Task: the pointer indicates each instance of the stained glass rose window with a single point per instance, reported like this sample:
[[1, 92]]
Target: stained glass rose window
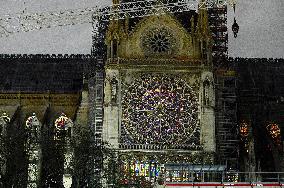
[[158, 41], [159, 109]]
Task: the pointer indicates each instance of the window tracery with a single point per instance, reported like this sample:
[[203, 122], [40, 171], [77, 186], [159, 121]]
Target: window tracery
[[160, 109], [158, 41], [206, 88], [63, 125], [32, 122], [244, 133], [274, 131], [63, 122], [4, 119], [32, 126], [114, 88]]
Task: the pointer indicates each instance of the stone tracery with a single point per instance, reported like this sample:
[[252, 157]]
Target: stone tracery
[[63, 122], [158, 40], [160, 109], [274, 131], [63, 125]]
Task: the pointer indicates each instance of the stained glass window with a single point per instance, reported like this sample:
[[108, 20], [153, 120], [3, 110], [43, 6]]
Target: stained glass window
[[244, 129], [63, 122], [158, 40], [142, 168], [32, 125], [244, 132], [160, 109], [274, 132], [32, 122], [4, 119], [63, 126]]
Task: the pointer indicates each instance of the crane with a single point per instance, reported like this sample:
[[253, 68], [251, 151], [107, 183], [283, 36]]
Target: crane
[[25, 22]]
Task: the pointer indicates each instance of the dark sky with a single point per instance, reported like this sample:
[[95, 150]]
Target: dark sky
[[261, 29]]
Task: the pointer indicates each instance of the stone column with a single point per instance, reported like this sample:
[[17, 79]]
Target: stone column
[[63, 134], [33, 149], [4, 121], [207, 115], [68, 167], [111, 108], [68, 154]]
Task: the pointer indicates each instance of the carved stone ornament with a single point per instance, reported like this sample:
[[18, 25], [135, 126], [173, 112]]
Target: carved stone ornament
[[158, 41]]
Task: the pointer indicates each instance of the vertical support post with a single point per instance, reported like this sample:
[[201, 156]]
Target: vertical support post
[[68, 168], [4, 121], [33, 149]]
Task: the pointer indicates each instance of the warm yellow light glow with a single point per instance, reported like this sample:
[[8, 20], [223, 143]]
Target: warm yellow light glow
[[274, 131], [244, 129]]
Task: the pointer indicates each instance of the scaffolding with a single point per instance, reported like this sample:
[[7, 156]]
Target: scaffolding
[[226, 127], [225, 90], [95, 75], [218, 26]]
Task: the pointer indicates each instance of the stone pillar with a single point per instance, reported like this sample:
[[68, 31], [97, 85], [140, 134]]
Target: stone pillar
[[63, 134], [68, 154], [33, 149], [111, 108], [251, 158], [4, 121], [207, 115], [68, 167]]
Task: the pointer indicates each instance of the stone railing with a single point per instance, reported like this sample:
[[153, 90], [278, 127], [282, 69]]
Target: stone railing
[[46, 56], [158, 61], [159, 147]]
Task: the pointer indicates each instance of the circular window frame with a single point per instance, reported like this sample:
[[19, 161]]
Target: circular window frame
[[159, 41], [189, 130]]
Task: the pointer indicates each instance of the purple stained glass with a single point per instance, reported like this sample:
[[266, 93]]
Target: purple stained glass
[[159, 109]]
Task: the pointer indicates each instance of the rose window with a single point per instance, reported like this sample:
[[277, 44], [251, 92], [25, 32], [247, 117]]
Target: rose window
[[159, 43], [160, 110], [158, 40]]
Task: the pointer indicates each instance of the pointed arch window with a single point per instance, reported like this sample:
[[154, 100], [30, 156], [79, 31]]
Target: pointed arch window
[[114, 88], [244, 129], [114, 48], [4, 119], [33, 125], [274, 131], [63, 122], [244, 133], [32, 122], [63, 126], [206, 90]]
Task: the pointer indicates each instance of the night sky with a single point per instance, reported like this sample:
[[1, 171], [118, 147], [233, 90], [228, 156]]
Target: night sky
[[261, 29]]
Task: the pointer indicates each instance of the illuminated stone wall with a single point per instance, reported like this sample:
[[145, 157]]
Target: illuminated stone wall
[[124, 87], [160, 49], [140, 42]]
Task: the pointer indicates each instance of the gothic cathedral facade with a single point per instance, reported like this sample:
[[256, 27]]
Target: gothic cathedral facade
[[159, 93]]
